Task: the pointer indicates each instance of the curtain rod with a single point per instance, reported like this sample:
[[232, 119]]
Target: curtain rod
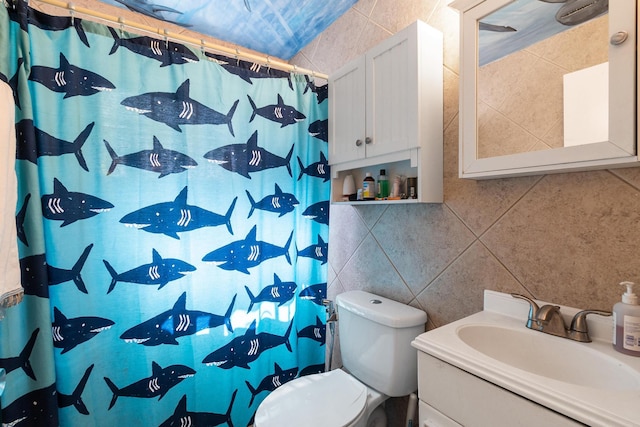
[[235, 53]]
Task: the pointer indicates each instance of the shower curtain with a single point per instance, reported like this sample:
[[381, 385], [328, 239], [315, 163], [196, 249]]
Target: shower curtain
[[172, 221]]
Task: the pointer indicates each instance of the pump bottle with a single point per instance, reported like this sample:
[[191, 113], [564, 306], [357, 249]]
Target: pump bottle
[[626, 319]]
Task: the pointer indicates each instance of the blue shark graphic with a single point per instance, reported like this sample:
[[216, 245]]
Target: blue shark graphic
[[159, 160], [176, 109], [319, 169], [247, 71], [37, 275], [318, 251], [150, 9], [68, 333], [57, 23], [182, 417], [322, 92], [272, 381], [20, 218], [315, 332], [75, 399], [171, 218], [320, 129], [158, 384], [280, 292], [37, 408], [170, 325], [279, 202], [244, 254], [61, 275], [248, 158], [245, 349], [312, 369], [69, 79], [69, 206], [21, 361], [314, 293], [279, 113], [319, 212], [165, 52], [33, 143], [160, 272]]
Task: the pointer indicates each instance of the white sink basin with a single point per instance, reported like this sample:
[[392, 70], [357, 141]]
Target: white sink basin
[[552, 357]]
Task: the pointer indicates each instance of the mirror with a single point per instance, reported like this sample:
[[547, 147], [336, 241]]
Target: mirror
[[546, 86]]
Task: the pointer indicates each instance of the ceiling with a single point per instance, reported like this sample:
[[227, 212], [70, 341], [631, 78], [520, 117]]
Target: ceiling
[[279, 28]]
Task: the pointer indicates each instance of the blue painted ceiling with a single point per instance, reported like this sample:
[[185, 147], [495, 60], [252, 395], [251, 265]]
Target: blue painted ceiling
[[279, 28]]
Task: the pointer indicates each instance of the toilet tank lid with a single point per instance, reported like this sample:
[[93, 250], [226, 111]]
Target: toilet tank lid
[[381, 310]]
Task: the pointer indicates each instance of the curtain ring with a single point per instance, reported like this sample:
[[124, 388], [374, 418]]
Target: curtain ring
[[72, 11], [121, 21]]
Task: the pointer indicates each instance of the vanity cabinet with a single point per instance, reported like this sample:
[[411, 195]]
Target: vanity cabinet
[[451, 397], [385, 112]]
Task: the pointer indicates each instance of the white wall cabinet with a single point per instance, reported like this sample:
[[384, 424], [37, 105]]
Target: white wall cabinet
[[385, 112]]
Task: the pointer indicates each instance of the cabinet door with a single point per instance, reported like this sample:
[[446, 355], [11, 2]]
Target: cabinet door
[[347, 113], [392, 94]]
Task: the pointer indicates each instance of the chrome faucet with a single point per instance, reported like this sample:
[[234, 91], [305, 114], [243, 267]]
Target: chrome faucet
[[548, 319]]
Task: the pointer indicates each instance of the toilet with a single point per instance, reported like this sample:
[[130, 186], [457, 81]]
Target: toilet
[[378, 363]]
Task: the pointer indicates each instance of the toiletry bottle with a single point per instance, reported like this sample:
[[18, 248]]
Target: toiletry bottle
[[626, 319], [369, 187], [383, 184]]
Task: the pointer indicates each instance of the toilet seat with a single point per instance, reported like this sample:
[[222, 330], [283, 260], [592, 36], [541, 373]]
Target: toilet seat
[[332, 398]]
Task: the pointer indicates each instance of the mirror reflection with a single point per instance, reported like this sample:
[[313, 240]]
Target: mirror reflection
[[542, 79]]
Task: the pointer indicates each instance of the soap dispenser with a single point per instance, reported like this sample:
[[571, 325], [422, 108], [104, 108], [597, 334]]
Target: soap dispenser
[[626, 319]]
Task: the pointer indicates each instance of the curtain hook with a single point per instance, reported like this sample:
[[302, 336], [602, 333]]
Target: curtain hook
[[72, 11], [166, 38], [237, 57], [202, 45], [121, 21], [268, 64]]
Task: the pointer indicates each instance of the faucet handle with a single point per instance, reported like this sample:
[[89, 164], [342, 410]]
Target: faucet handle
[[579, 328], [533, 309]]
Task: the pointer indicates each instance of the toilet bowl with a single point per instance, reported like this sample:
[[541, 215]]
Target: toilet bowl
[[332, 398], [378, 361]]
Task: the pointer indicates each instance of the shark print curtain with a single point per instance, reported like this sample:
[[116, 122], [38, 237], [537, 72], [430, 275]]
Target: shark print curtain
[[172, 222]]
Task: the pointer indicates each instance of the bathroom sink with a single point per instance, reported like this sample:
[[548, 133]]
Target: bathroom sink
[[548, 356], [587, 383]]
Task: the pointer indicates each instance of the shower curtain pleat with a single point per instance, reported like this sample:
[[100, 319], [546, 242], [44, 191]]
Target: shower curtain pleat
[[172, 224]]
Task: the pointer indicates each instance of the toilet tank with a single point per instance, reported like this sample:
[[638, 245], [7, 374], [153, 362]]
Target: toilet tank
[[375, 336]]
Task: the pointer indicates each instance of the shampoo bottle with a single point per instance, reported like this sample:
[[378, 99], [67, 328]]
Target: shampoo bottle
[[626, 319]]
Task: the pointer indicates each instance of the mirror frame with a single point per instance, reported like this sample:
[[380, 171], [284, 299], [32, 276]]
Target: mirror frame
[[620, 151]]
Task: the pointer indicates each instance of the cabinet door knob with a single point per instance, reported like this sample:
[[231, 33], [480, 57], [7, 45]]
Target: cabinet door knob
[[619, 38], [358, 142], [368, 140]]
